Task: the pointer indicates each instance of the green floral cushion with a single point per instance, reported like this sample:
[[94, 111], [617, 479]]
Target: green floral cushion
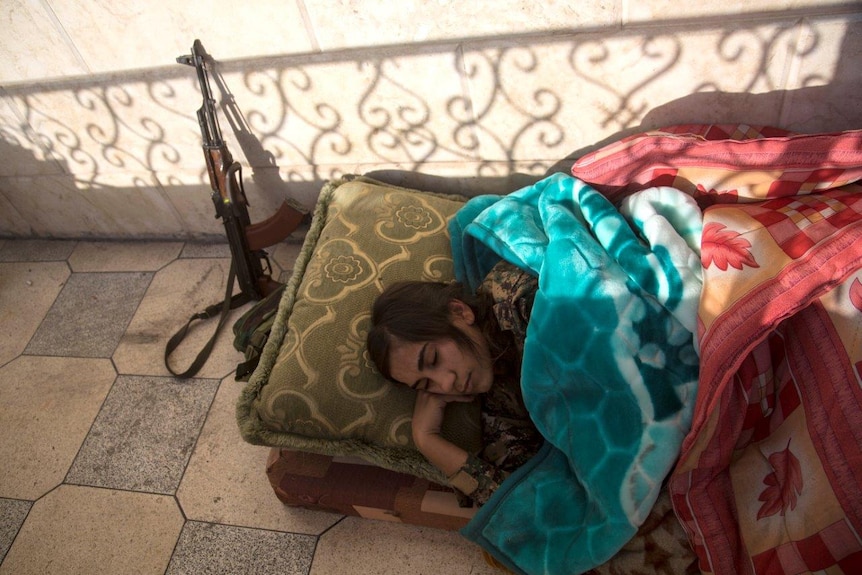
[[315, 388]]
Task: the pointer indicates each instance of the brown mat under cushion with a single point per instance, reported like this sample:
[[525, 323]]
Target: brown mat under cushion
[[350, 486]]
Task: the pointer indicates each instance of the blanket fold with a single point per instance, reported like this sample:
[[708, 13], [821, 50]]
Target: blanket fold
[[609, 372]]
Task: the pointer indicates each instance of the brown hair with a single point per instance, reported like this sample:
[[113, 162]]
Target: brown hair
[[417, 311]]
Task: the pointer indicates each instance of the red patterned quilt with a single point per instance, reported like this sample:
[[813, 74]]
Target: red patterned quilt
[[770, 477]]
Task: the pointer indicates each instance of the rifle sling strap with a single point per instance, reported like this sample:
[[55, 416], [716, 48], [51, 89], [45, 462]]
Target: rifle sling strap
[[229, 303]]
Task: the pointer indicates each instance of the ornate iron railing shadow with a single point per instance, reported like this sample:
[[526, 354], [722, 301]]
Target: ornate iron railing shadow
[[479, 107]]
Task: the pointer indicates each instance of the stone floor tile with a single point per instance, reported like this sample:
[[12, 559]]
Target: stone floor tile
[[178, 291], [90, 314], [12, 515], [89, 531], [47, 405], [36, 250], [278, 255], [226, 481], [205, 250], [123, 256], [222, 549], [144, 435], [281, 255], [27, 291], [359, 546]]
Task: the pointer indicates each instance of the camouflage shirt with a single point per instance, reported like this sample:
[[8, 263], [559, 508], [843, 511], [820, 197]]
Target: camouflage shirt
[[508, 434]]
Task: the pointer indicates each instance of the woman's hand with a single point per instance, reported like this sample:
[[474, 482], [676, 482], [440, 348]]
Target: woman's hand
[[428, 414]]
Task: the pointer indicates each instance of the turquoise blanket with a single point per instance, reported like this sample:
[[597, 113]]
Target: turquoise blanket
[[610, 366]]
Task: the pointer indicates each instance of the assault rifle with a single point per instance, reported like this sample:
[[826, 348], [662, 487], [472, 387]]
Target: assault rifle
[[249, 260], [228, 195]]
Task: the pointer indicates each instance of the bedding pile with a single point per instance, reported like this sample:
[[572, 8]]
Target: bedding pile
[[696, 341], [726, 333]]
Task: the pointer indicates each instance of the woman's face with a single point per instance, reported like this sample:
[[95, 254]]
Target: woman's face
[[442, 366]]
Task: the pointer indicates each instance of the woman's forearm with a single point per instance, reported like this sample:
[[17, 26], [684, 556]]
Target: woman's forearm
[[444, 455]]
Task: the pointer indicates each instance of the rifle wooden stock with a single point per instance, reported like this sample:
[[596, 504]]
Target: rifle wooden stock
[[273, 229]]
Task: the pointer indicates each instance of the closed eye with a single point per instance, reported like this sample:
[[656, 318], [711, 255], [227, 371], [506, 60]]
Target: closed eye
[[427, 359]]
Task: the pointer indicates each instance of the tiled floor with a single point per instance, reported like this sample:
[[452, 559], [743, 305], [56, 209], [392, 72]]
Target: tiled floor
[[109, 465]]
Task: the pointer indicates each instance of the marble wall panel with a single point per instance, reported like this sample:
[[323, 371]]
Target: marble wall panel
[[352, 23], [480, 92], [826, 75], [12, 223], [664, 10], [125, 205], [93, 128], [20, 149], [33, 45], [127, 35], [372, 106]]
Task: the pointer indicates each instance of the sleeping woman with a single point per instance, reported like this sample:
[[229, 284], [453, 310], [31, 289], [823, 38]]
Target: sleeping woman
[[452, 345]]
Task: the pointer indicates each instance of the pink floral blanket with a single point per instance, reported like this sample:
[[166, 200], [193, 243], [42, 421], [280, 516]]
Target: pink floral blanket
[[769, 478]]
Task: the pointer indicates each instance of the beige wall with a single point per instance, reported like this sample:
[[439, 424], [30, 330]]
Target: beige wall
[[97, 122]]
